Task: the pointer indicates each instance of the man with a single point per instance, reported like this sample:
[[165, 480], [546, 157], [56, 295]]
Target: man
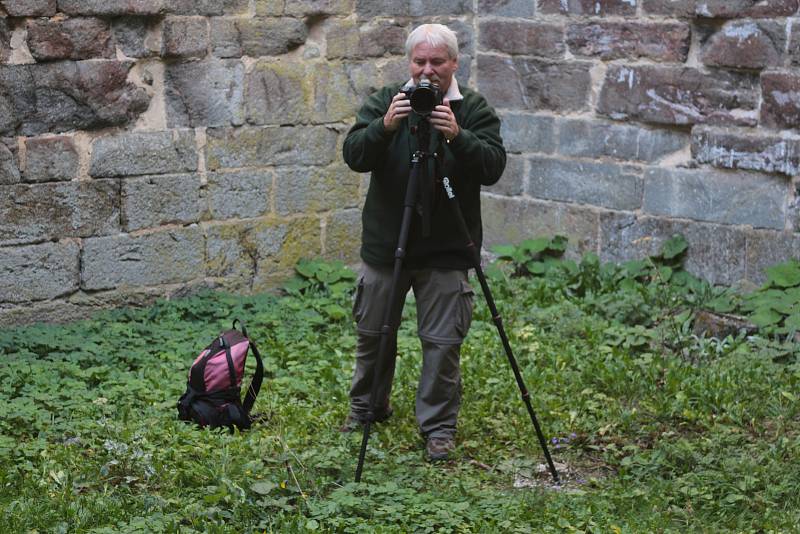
[[465, 132]]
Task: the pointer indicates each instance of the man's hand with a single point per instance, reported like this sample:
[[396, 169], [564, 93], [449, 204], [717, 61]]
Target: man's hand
[[398, 110], [442, 119]]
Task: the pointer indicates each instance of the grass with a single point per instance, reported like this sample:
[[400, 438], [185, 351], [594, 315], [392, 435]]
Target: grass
[[656, 429]]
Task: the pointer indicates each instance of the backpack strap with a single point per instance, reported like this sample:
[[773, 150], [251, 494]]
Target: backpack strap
[[231, 370], [255, 383]]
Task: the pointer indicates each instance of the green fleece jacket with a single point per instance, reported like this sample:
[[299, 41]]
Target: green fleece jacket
[[475, 157]]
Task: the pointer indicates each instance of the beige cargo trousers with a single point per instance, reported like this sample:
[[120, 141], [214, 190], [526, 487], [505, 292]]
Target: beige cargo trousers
[[444, 313]]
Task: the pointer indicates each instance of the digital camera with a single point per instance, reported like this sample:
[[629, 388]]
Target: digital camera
[[424, 97]]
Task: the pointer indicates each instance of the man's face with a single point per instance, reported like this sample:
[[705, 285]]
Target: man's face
[[434, 64]]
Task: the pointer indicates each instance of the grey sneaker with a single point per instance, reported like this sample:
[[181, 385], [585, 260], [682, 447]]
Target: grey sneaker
[[439, 449], [354, 422]]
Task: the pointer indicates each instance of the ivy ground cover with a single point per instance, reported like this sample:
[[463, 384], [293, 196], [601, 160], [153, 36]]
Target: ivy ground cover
[[654, 428]]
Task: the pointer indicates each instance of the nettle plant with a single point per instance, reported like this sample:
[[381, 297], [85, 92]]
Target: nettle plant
[[326, 283], [644, 301], [775, 307]]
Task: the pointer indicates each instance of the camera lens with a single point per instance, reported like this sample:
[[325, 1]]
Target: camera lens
[[423, 100]]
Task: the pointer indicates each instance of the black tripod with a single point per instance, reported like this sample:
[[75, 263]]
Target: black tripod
[[419, 167]]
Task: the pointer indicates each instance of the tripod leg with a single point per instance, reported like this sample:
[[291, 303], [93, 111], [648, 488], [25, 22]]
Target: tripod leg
[[498, 321], [387, 328]]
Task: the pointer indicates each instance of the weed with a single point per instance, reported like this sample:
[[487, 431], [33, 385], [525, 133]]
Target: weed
[[661, 428]]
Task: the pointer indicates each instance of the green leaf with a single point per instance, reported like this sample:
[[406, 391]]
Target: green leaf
[[784, 274], [722, 304], [306, 268], [558, 243], [535, 246], [335, 312], [494, 273], [536, 267], [504, 251], [674, 247], [635, 268], [295, 285], [264, 487], [793, 322], [765, 317]]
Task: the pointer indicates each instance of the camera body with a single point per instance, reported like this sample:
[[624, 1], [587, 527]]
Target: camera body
[[424, 97]]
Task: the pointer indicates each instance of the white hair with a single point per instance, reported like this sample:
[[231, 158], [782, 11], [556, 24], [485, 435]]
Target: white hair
[[435, 35]]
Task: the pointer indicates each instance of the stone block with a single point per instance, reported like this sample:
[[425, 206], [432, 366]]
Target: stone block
[[278, 92], [38, 212], [167, 257], [512, 183], [533, 84], [677, 8], [240, 7], [271, 36], [766, 248], [512, 220], [350, 40], [82, 305], [305, 8], [256, 254], [530, 38], [465, 33], [29, 8], [158, 200], [746, 44], [39, 272], [61, 96], [794, 43], [9, 164], [195, 7], [302, 190], [780, 100], [341, 88], [343, 236], [754, 199], [240, 194], [426, 8], [184, 37], [130, 35], [507, 8], [744, 149], [74, 38], [528, 133], [595, 139], [235, 251], [337, 93], [746, 8], [269, 8], [204, 93], [716, 253], [141, 153], [111, 7], [256, 147], [5, 40], [793, 210], [225, 42], [599, 184], [588, 7], [678, 95], [630, 40], [50, 159], [368, 9]]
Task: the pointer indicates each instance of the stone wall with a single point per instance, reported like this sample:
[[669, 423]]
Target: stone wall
[[154, 147]]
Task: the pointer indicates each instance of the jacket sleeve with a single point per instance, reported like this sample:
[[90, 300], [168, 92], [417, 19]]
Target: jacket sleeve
[[367, 141], [478, 146]]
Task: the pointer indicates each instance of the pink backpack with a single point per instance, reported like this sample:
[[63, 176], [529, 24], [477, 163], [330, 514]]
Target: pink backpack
[[213, 392]]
